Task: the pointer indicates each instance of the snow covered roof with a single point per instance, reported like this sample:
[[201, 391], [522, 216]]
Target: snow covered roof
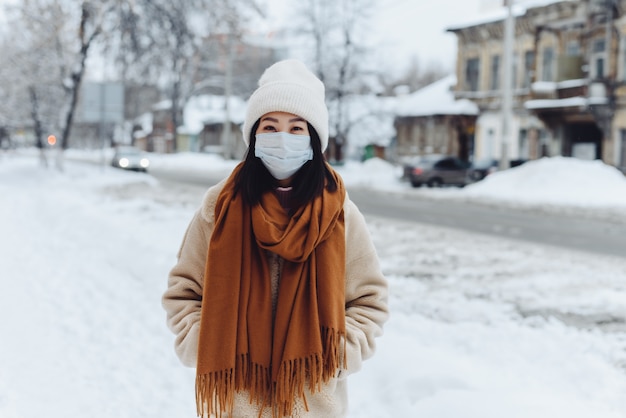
[[499, 14], [145, 121], [577, 101], [162, 105], [552, 86], [209, 109], [436, 99]]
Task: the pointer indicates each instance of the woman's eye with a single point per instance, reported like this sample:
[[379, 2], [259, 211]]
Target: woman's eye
[[269, 128]]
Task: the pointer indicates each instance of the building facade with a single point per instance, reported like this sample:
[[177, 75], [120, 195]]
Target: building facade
[[568, 81], [432, 121]]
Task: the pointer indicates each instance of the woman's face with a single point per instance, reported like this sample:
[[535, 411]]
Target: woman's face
[[282, 122], [287, 123]]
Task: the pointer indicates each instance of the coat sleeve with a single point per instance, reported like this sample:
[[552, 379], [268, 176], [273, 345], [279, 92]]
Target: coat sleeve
[[182, 299], [366, 291]]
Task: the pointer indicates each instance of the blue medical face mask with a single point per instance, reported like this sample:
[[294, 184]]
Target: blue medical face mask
[[283, 153]]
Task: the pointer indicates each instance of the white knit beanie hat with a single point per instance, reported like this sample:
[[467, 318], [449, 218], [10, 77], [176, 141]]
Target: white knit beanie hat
[[288, 86]]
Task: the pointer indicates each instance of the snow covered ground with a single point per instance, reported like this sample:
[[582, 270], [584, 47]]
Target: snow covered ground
[[480, 327]]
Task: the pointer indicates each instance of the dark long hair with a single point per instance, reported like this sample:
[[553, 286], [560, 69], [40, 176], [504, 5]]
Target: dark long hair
[[308, 182]]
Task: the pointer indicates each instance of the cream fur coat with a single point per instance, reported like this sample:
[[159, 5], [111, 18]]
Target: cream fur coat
[[366, 305]]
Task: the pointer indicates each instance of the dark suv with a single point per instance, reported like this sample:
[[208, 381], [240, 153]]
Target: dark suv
[[436, 171]]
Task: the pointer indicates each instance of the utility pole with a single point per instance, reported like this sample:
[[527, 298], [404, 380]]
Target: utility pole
[[608, 41], [507, 86], [610, 77]]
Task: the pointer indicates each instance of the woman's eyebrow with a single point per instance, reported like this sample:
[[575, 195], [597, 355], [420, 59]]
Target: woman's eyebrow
[[271, 119], [298, 119]]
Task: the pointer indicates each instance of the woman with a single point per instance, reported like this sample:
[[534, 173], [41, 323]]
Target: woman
[[277, 294]]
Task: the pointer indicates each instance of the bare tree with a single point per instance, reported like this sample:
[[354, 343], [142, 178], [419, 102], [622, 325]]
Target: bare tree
[[334, 29], [151, 40], [161, 41], [168, 49], [34, 63], [56, 42], [13, 103], [413, 78], [89, 28]]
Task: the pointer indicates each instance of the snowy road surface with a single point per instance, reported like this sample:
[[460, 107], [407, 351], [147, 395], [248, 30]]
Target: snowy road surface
[[601, 231]]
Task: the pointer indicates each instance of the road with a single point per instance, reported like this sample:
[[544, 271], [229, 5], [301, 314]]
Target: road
[[590, 235]]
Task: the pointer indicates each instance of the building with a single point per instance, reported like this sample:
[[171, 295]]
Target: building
[[568, 76], [228, 65], [107, 113], [432, 121], [204, 119]]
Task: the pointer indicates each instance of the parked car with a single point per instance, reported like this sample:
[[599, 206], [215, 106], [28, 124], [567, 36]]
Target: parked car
[[407, 166], [436, 171], [482, 168], [130, 158], [516, 163]]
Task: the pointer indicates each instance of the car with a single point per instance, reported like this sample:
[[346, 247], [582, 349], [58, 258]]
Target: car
[[407, 165], [437, 171], [482, 168], [130, 158]]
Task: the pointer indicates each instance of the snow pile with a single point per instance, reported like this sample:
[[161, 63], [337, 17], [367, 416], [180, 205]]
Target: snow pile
[[374, 173], [193, 161], [547, 183], [436, 99], [559, 181]]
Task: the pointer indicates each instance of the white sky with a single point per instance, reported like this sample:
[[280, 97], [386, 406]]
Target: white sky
[[474, 330], [418, 28], [406, 28], [403, 28], [3, 4]]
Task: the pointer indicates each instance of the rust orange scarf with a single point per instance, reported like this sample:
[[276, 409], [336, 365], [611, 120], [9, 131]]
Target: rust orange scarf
[[241, 348]]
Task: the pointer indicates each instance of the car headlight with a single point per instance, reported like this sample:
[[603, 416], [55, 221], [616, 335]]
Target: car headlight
[[124, 162], [144, 162]]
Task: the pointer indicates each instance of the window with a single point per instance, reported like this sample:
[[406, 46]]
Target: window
[[491, 139], [622, 157], [524, 144], [495, 72], [573, 49], [547, 69], [598, 58], [471, 74], [599, 68], [514, 76], [598, 45], [623, 59], [449, 164], [529, 68]]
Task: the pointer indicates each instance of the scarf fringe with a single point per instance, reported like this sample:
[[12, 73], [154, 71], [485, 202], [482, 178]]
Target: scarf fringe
[[215, 390]]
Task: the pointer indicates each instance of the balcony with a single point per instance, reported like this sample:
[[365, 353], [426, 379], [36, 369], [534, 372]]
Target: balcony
[[570, 67]]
